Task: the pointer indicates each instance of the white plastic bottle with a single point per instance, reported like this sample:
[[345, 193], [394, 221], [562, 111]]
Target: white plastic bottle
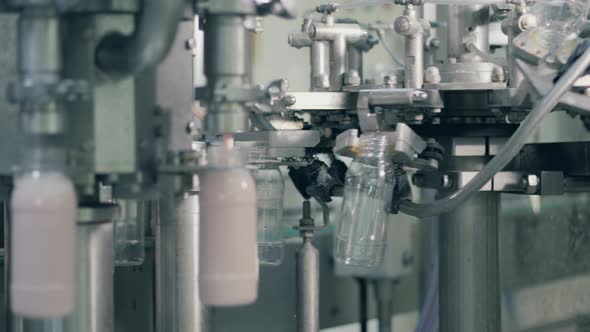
[[43, 223], [228, 265]]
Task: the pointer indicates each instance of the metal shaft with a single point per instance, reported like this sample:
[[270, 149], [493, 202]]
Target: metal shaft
[[178, 307], [384, 296], [228, 66], [355, 59], [320, 66], [469, 278], [337, 62], [94, 310], [308, 291]]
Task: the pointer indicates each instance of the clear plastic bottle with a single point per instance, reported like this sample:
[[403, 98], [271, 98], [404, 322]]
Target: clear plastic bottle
[[269, 192], [559, 20], [129, 231], [228, 253], [43, 207], [360, 237]]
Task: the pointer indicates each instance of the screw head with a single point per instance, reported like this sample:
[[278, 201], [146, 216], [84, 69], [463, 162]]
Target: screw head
[[289, 100], [403, 25]]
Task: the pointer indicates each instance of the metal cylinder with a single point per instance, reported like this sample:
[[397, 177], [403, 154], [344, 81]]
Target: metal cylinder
[[355, 59], [308, 287], [94, 271], [320, 66], [39, 46], [469, 266], [178, 307], [384, 296], [337, 62], [228, 67], [414, 75], [228, 51]]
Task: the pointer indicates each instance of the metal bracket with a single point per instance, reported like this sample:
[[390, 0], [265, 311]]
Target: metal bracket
[[402, 98]]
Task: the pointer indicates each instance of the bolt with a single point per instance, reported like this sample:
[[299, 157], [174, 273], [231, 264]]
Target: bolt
[[432, 75], [289, 100], [531, 184], [390, 80], [447, 183], [498, 75], [190, 44], [352, 78], [420, 95], [403, 25], [434, 43]]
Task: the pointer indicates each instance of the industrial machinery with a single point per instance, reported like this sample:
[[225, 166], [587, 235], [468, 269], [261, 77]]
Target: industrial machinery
[[143, 170]]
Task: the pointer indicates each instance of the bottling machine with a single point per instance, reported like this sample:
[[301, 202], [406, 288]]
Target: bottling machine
[[144, 172]]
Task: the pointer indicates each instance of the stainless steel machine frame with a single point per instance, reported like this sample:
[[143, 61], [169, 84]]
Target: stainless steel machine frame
[[111, 86]]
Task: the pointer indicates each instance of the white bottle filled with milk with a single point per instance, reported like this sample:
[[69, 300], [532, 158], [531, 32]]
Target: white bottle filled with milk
[[43, 207], [228, 269]]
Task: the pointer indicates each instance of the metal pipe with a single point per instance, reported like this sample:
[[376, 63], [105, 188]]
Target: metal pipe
[[384, 296], [40, 67], [39, 47], [94, 271], [412, 29], [363, 305], [308, 281], [337, 62], [307, 265], [320, 66], [355, 59], [228, 64], [469, 266], [122, 55], [178, 307]]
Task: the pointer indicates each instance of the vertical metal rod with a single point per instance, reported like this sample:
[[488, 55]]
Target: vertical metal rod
[[178, 307], [469, 278], [384, 296], [6, 327], [320, 66], [337, 63], [363, 305], [414, 60], [308, 277], [355, 59], [94, 271]]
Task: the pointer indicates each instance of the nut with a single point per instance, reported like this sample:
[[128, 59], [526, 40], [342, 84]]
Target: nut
[[531, 184], [498, 75], [432, 75], [352, 78]]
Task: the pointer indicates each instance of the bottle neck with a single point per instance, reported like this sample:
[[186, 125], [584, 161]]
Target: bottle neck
[[375, 146]]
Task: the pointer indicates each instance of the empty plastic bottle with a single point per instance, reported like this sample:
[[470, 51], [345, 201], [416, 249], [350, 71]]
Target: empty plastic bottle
[[360, 237]]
